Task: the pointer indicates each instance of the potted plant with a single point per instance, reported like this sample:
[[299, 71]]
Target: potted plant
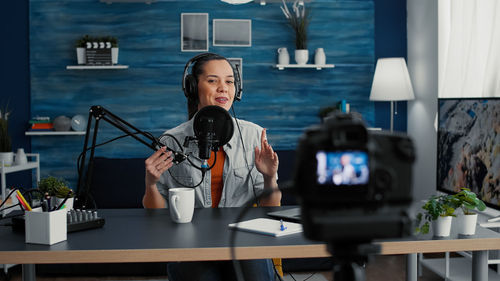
[[298, 20], [114, 48], [80, 45], [439, 210], [57, 188], [468, 202], [6, 154]]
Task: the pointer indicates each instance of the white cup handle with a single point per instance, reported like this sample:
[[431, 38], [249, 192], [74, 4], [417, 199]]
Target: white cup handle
[[173, 204]]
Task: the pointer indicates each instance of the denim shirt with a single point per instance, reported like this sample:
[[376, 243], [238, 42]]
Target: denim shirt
[[238, 186]]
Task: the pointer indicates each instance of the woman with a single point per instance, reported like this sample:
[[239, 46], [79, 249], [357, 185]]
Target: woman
[[238, 175]]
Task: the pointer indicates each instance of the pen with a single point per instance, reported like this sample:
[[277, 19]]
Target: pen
[[25, 203], [282, 226]]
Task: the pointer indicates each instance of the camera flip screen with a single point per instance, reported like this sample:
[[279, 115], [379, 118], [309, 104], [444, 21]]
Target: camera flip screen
[[340, 168]]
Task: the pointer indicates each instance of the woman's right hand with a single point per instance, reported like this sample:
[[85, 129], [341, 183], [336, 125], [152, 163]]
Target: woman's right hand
[[157, 164]]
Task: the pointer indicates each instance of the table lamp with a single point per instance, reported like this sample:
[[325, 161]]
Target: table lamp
[[391, 82]]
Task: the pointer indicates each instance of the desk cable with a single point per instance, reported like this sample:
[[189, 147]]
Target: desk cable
[[232, 238]]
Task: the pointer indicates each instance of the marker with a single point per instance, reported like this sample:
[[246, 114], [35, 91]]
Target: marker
[[25, 203], [282, 226]]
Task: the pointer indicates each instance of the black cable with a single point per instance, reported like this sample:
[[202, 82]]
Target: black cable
[[232, 237], [245, 156], [310, 276], [277, 273], [291, 275]]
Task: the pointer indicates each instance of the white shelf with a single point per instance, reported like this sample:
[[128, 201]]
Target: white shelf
[[17, 168], [55, 133], [317, 66], [81, 67], [460, 269]]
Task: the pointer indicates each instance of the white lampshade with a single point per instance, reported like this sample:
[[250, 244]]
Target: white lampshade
[[391, 81]]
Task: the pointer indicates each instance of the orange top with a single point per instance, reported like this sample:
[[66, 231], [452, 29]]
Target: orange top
[[216, 176]]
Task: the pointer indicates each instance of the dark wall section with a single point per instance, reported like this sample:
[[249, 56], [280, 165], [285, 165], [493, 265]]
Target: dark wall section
[[14, 78], [390, 41]]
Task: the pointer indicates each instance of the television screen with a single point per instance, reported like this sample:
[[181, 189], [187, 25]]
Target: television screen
[[468, 147]]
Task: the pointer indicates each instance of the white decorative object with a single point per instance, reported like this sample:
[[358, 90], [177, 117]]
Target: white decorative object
[[114, 55], [78, 123], [319, 57], [467, 224], [283, 56], [21, 157], [301, 56], [80, 55], [442, 226]]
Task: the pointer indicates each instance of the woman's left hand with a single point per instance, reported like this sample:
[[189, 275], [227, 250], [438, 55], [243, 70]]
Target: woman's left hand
[[266, 160]]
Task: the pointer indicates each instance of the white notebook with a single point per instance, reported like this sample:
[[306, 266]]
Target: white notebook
[[268, 227]]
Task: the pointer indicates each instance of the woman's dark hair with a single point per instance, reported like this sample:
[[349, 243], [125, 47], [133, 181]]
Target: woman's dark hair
[[197, 70]]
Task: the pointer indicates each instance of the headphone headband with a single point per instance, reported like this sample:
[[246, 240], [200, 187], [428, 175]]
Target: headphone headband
[[190, 83]]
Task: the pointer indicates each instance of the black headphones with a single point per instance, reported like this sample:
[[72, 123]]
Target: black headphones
[[190, 85]]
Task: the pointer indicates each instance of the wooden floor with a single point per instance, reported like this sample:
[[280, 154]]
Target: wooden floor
[[380, 268]]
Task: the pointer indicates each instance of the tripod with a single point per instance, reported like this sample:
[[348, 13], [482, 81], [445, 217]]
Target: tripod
[[350, 259]]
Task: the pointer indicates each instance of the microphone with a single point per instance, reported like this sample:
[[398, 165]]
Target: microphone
[[213, 127]]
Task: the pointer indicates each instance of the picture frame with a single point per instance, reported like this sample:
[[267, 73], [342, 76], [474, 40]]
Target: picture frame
[[232, 32], [194, 32], [238, 63]]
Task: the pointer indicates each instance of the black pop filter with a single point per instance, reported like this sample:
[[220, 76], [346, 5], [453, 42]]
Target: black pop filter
[[213, 127]]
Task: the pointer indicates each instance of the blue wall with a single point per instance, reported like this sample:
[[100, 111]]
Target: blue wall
[[148, 94]]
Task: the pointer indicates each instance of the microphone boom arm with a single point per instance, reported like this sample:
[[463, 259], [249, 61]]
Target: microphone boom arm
[[100, 113]]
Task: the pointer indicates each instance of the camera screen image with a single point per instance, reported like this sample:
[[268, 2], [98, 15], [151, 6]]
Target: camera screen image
[[341, 168]]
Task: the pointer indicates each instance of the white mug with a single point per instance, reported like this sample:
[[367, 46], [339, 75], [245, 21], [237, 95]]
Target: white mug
[[181, 204]]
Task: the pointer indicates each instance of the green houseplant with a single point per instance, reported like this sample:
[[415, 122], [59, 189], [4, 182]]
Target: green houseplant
[[299, 21], [6, 154], [468, 202], [58, 188], [438, 210]]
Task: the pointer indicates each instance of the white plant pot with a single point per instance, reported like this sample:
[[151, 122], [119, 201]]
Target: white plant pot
[[114, 55], [80, 55], [442, 226], [68, 203], [7, 158], [301, 56], [467, 224]]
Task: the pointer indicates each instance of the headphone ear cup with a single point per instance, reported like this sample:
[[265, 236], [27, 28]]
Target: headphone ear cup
[[191, 86]]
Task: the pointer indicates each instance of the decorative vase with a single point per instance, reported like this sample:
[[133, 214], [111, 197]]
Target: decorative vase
[[467, 224], [80, 55], [442, 226], [319, 57], [301, 56], [283, 57], [114, 55], [21, 158], [7, 158]]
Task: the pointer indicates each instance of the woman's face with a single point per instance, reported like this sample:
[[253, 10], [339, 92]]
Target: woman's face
[[216, 85]]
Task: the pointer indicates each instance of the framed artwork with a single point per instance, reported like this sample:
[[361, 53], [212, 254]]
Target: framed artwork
[[232, 33], [194, 32], [238, 64]]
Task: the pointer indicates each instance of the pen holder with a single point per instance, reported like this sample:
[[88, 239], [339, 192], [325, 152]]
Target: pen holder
[[45, 227]]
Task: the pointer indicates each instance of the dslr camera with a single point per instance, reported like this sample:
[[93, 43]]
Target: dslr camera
[[353, 185]]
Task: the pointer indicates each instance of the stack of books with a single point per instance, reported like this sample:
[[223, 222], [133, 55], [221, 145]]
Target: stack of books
[[41, 124]]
